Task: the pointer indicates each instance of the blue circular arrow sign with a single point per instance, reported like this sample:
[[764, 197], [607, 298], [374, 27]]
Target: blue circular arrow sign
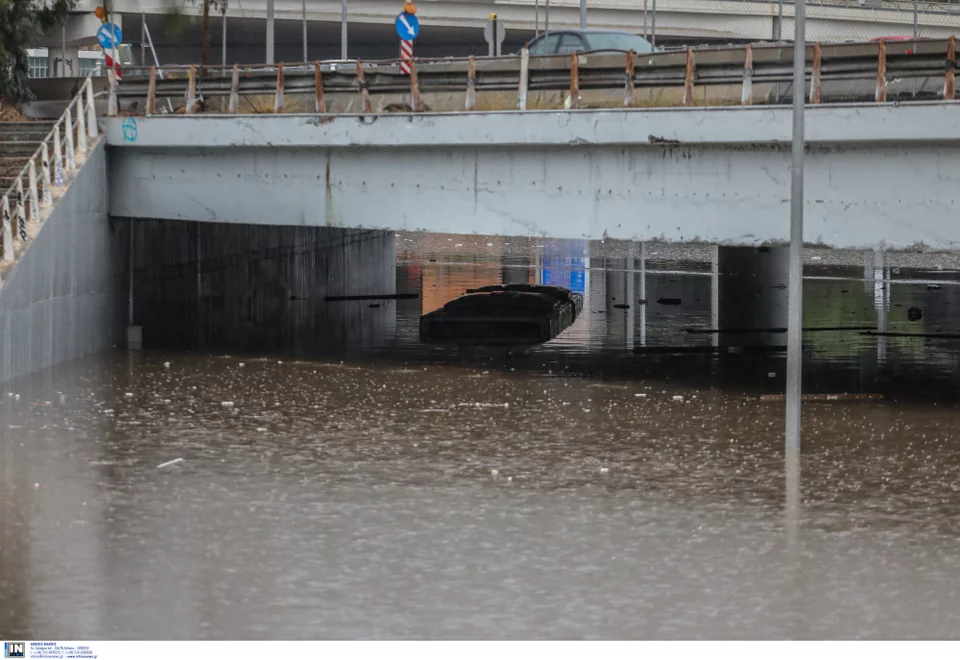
[[109, 35], [408, 27]]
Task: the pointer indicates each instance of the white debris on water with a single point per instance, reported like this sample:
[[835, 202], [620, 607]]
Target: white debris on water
[[166, 364], [169, 463], [494, 472], [604, 470], [677, 397], [640, 395], [260, 429], [129, 395], [227, 404], [243, 364]]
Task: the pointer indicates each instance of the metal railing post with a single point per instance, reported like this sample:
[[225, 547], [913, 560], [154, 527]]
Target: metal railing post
[[57, 157], [45, 174], [471, 100], [7, 230], [34, 195], [278, 94], [112, 108], [21, 212], [68, 134], [152, 92], [524, 78], [81, 129], [321, 102], [92, 129], [234, 104]]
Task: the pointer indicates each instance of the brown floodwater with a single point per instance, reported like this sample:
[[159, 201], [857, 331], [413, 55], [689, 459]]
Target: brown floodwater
[[383, 489]]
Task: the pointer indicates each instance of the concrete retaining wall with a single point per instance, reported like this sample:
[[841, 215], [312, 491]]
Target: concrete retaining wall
[[64, 299]]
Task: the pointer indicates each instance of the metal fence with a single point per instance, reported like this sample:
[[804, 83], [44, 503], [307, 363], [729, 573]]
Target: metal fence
[[36, 183], [745, 75]]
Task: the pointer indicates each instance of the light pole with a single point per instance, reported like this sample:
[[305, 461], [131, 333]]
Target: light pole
[[343, 29], [270, 31], [795, 286]]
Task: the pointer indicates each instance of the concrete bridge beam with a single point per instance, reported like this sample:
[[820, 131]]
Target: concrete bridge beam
[[878, 176]]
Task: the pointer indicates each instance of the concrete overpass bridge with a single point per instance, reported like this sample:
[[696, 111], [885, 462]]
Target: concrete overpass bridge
[[454, 27], [125, 222]]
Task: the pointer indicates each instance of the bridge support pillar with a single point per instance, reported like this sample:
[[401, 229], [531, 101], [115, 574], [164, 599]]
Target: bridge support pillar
[[751, 296]]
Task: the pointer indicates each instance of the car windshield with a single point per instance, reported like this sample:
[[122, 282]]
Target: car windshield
[[618, 41]]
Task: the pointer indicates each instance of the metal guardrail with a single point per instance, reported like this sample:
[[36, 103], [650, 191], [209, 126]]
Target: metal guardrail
[[80, 118], [745, 66]]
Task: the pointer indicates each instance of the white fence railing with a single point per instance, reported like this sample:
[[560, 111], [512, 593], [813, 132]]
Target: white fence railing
[[67, 139]]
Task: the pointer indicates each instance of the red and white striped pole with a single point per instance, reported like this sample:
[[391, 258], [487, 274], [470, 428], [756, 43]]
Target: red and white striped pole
[[406, 55], [111, 65]]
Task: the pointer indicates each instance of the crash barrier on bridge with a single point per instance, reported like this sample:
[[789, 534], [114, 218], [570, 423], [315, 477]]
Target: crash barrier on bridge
[[67, 140], [850, 69]]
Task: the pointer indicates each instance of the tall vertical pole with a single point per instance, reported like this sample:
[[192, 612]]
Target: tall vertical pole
[[63, 52], [916, 35], [644, 19], [304, 9], [546, 17], [653, 25], [779, 21], [343, 29], [536, 18], [223, 38], [143, 40], [270, 31], [583, 14], [795, 291]]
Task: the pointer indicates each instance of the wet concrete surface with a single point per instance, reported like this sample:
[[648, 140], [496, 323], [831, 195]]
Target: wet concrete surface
[[585, 490]]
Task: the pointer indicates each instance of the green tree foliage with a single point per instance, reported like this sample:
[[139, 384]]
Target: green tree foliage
[[22, 22]]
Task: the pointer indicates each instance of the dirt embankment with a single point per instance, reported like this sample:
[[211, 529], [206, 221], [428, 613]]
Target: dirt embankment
[[9, 113]]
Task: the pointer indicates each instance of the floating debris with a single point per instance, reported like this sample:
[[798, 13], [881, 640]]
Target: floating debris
[[677, 397], [826, 397], [169, 463], [227, 404]]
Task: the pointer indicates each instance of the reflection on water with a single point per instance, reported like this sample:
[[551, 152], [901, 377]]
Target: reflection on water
[[584, 491]]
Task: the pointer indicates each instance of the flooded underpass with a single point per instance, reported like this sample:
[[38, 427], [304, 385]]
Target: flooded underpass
[[624, 480]]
